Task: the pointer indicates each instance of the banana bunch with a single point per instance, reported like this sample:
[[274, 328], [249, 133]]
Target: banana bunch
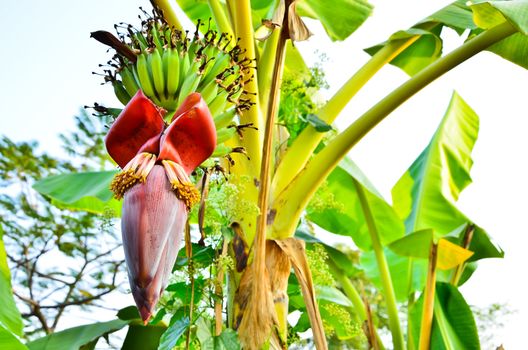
[[168, 65]]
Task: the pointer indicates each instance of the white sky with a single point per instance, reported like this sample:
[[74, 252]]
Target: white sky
[[47, 58]]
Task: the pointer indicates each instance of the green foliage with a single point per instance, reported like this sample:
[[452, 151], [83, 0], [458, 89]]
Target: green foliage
[[459, 16], [347, 204], [171, 336], [227, 340], [9, 341], [454, 326], [74, 338], [425, 195], [339, 20], [10, 316], [86, 191], [299, 103], [346, 217]]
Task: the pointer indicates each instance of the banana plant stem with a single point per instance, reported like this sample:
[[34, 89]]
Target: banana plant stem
[[220, 17], [168, 13], [383, 266], [290, 203], [429, 295], [265, 68], [302, 148], [252, 140]]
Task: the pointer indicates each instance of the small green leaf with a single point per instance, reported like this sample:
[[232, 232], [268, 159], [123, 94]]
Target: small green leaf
[[203, 256], [140, 337], [173, 333], [319, 124], [182, 290], [128, 313], [89, 191]]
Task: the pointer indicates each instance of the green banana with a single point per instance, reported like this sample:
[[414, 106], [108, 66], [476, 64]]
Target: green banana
[[225, 118], [129, 81], [142, 41], [209, 91], [191, 80], [218, 105], [158, 76], [172, 58], [144, 76], [229, 79], [222, 61], [235, 96], [120, 92], [156, 38], [185, 64], [221, 150], [224, 134], [189, 85]]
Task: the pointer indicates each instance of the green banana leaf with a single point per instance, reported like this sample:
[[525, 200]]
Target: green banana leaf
[[454, 327], [171, 336], [418, 245], [490, 13], [429, 46], [9, 341], [88, 191], [74, 338], [9, 315], [340, 18], [487, 14], [420, 54], [425, 195], [481, 244], [347, 217], [459, 16], [399, 271]]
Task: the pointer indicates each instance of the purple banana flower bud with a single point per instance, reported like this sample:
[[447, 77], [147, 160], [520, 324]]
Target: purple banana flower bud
[[152, 225]]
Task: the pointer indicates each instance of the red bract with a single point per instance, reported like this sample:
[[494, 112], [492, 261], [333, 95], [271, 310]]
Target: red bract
[[191, 137], [156, 187], [140, 122]]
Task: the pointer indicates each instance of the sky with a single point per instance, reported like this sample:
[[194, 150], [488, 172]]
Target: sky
[[47, 58]]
